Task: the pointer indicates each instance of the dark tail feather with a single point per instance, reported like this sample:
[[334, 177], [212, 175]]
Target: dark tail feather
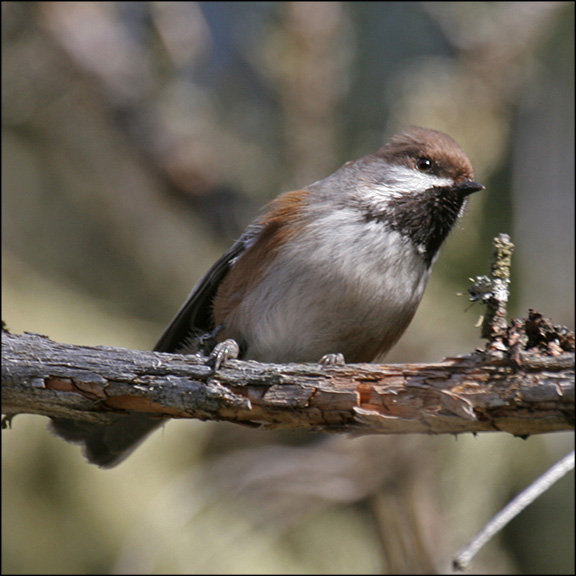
[[107, 444]]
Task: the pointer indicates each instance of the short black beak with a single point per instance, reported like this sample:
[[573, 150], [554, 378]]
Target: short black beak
[[468, 187]]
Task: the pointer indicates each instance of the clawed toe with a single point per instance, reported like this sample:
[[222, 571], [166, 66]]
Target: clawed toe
[[333, 359], [222, 352]]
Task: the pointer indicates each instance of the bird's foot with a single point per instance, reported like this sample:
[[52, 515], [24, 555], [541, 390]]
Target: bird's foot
[[333, 359], [222, 352]]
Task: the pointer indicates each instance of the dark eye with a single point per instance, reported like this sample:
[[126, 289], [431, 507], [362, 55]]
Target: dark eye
[[424, 164]]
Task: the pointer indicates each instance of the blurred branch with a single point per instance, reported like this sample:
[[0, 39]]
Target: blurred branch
[[512, 509], [474, 393]]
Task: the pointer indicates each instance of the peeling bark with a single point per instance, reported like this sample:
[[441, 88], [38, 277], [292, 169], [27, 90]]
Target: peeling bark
[[474, 393]]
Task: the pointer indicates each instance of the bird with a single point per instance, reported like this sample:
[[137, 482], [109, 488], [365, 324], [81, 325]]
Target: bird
[[331, 273]]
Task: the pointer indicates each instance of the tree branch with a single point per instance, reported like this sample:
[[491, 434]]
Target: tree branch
[[474, 393]]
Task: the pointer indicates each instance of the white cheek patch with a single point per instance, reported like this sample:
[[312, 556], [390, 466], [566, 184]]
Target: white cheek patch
[[402, 179]]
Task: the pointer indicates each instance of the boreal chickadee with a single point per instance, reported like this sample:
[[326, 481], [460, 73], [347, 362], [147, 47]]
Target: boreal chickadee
[[336, 268]]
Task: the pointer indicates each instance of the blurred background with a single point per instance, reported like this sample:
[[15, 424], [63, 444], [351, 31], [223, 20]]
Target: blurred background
[[139, 138]]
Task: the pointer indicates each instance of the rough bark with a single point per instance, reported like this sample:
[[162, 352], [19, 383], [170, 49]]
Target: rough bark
[[474, 393]]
